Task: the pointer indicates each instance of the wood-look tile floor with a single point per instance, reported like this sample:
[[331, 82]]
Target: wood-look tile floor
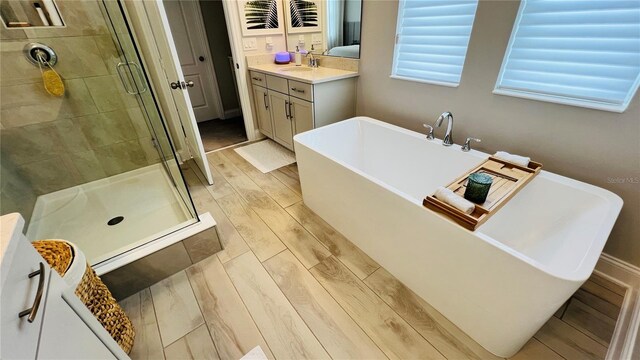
[[289, 282]]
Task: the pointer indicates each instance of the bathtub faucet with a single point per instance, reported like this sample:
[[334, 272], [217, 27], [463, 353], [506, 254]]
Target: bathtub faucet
[[448, 137]]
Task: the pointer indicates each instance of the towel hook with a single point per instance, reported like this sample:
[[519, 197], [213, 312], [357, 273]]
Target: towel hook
[[31, 51]]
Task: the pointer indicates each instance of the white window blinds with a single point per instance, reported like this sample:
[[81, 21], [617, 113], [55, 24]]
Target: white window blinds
[[431, 40], [583, 53]]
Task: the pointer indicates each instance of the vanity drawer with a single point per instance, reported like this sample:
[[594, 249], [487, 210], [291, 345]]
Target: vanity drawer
[[277, 84], [257, 78], [301, 90]]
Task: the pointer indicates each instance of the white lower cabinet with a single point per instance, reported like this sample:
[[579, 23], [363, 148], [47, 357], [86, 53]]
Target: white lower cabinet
[[285, 107], [282, 125], [57, 330], [263, 113], [301, 114]]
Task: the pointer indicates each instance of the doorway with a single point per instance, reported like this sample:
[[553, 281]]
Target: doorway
[[200, 34]]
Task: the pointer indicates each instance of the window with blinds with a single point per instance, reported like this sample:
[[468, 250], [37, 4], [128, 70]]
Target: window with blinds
[[431, 40], [575, 52]]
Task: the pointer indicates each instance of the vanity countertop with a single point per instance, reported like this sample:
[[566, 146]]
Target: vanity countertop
[[312, 76]]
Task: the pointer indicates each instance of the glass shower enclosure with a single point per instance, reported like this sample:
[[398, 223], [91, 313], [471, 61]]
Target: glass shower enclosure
[[95, 166]]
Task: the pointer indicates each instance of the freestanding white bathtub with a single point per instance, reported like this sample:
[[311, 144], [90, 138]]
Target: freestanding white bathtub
[[499, 284]]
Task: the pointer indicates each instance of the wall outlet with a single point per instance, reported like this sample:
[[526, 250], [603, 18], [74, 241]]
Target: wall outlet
[[301, 39], [268, 40], [316, 39], [250, 43]]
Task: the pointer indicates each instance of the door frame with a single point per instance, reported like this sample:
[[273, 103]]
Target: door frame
[[232, 20], [154, 31], [209, 64], [234, 29]]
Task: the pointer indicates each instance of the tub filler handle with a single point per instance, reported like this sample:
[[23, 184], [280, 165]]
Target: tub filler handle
[[467, 144], [430, 133]]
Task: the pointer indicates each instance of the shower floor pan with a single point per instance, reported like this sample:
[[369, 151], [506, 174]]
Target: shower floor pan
[[111, 216]]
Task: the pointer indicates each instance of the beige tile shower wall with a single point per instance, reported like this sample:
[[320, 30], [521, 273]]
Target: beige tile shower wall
[[95, 130], [597, 147]]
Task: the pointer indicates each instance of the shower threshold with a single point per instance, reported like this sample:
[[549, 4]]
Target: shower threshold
[[118, 219]]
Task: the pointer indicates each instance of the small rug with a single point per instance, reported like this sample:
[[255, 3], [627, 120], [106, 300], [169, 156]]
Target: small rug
[[266, 155], [255, 354]]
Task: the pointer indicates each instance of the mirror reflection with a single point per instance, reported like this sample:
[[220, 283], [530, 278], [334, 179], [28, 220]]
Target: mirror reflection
[[328, 27]]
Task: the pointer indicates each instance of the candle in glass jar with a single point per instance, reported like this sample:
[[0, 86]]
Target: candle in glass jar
[[478, 185]]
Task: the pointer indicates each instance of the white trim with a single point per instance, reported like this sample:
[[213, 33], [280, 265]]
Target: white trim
[[618, 108], [206, 222], [625, 336], [432, 82], [234, 29]]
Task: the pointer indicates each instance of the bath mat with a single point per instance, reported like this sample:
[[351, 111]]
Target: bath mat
[[266, 155], [255, 354]]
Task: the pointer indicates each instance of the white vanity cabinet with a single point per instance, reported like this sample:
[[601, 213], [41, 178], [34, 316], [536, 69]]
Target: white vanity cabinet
[[286, 107], [58, 329]]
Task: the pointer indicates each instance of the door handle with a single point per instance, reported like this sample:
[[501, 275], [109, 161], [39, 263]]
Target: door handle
[[266, 100], [33, 310], [290, 111], [175, 85], [201, 58], [298, 90], [286, 109]]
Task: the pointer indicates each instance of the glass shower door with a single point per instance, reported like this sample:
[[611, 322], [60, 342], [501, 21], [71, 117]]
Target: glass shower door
[[131, 72], [100, 166]]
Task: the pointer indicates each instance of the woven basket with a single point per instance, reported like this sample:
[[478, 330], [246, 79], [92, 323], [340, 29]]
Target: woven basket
[[91, 291]]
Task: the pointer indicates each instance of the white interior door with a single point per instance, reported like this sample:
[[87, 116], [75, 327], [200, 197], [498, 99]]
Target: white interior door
[[191, 44], [172, 70]]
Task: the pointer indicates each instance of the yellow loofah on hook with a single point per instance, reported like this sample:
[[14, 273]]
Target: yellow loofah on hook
[[52, 82]]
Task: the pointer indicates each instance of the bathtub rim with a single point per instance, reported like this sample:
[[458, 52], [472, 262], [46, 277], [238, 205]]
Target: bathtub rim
[[588, 262]]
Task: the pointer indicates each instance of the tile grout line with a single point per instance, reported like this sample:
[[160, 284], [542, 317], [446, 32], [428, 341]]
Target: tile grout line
[[450, 337], [268, 173], [345, 310], [235, 288], [204, 319], [292, 306], [155, 314], [262, 219]]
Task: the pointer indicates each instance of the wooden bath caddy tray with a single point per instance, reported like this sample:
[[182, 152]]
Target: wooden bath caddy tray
[[508, 179]]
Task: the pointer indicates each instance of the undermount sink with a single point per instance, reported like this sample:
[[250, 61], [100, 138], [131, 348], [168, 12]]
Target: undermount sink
[[297, 68]]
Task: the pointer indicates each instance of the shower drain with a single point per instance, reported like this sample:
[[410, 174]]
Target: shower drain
[[115, 221]]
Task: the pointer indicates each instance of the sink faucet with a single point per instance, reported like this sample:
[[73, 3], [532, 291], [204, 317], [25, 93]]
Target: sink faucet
[[448, 137], [312, 61]]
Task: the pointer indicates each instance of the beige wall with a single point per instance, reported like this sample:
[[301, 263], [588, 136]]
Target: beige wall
[[589, 145], [95, 130]]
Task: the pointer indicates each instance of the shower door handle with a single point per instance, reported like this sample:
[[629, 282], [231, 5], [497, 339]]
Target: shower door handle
[[119, 68], [129, 65]]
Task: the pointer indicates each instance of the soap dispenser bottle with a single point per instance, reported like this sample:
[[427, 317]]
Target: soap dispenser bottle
[[298, 57]]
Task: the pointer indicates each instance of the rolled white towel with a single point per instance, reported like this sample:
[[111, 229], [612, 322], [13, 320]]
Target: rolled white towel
[[515, 159], [445, 195]]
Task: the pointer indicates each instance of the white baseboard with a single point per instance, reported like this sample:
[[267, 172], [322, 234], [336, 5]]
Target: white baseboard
[[625, 343], [228, 114]]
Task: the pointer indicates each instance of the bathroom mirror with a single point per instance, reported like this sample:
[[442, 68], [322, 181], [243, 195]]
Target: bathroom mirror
[[329, 27]]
